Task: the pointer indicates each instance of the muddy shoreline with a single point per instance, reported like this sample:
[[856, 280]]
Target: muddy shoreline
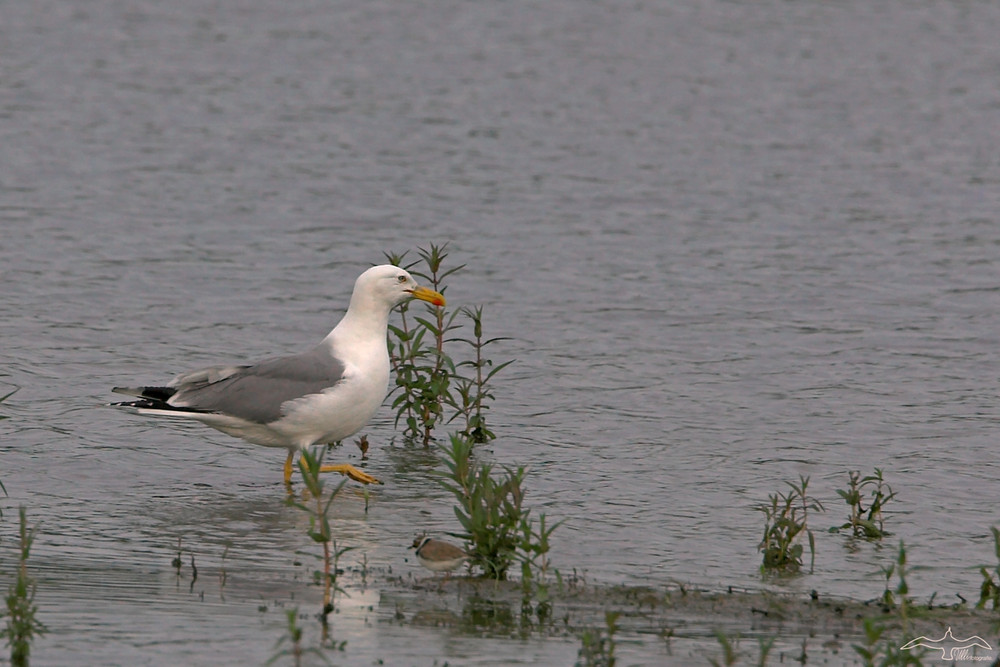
[[681, 622]]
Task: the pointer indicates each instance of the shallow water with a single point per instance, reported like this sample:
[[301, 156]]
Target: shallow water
[[733, 243]]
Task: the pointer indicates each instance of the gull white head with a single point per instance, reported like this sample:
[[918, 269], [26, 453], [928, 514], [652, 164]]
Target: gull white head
[[387, 286]]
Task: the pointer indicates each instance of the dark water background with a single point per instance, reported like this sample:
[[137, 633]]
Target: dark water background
[[732, 242]]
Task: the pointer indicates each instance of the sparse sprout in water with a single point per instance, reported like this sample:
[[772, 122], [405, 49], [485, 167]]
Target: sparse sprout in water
[[786, 520], [598, 648], [866, 522], [533, 552], [879, 651], [474, 394], [293, 637], [4, 398], [898, 599], [2, 417], [319, 521], [990, 589], [730, 650], [21, 611], [222, 569], [764, 645]]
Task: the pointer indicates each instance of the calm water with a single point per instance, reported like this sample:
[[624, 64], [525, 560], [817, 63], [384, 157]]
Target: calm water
[[732, 242]]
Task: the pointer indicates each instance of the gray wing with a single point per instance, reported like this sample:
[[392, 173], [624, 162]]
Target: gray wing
[[256, 393]]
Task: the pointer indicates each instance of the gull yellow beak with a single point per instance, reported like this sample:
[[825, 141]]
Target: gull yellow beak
[[428, 295]]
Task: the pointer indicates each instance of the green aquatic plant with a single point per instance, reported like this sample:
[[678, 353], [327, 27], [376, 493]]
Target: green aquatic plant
[[731, 653], [899, 607], [865, 522], [473, 393], [498, 528], [488, 507], [597, 648], [786, 520], [21, 611], [533, 552], [879, 652], [428, 380], [293, 637], [898, 599], [423, 369], [764, 646], [990, 589]]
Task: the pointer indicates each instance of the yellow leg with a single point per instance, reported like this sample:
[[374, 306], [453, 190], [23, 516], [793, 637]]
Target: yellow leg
[[288, 467], [350, 471]]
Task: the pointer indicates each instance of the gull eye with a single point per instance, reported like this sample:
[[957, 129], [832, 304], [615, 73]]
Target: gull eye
[[401, 279]]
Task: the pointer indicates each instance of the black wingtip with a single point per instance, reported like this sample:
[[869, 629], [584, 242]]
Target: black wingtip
[[156, 404]]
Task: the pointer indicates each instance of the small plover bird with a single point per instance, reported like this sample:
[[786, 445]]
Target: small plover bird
[[438, 555]]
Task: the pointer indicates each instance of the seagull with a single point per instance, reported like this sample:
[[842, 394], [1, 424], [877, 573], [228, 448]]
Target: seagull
[[323, 395]]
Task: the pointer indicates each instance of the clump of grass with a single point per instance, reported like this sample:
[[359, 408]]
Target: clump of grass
[[427, 378], [598, 647], [22, 612], [865, 522], [990, 589], [319, 523], [786, 520]]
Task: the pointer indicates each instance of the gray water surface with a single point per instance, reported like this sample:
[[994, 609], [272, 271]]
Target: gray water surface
[[732, 243]]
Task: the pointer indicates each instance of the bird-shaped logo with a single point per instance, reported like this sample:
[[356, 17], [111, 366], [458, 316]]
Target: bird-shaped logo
[[948, 644]]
